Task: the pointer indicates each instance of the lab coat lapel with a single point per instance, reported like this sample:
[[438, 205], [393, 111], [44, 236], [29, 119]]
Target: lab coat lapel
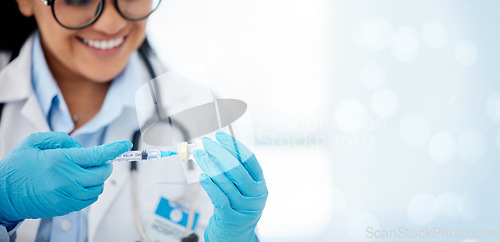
[[20, 124], [32, 112], [21, 103], [121, 172], [15, 78]]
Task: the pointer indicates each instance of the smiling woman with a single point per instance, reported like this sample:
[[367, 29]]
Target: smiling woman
[[84, 54], [68, 54], [66, 88]]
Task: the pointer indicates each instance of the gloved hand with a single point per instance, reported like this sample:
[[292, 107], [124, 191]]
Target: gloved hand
[[50, 174], [235, 184]]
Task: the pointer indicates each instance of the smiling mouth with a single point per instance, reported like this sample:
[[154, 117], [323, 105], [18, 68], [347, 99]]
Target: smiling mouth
[[103, 44]]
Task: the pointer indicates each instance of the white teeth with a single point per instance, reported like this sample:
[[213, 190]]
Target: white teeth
[[104, 44]]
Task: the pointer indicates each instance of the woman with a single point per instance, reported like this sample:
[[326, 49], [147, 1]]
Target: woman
[[76, 75]]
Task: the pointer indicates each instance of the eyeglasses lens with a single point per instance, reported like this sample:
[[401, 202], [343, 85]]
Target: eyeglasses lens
[[80, 13], [76, 13], [137, 9]]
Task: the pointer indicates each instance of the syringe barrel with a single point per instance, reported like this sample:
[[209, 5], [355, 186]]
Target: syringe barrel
[[138, 155]]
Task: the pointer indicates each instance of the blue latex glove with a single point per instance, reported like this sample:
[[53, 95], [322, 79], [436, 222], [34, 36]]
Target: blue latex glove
[[234, 181], [50, 174]]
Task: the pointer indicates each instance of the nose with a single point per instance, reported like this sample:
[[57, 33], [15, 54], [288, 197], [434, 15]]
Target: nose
[[110, 22]]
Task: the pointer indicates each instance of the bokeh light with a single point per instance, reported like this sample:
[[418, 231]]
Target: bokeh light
[[356, 228], [414, 129], [467, 207], [406, 44], [372, 75], [448, 205], [442, 147], [422, 209], [466, 53], [384, 103], [434, 34], [377, 34], [493, 106], [471, 145], [350, 116]]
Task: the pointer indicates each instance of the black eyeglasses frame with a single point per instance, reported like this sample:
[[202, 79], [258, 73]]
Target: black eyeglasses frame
[[100, 9]]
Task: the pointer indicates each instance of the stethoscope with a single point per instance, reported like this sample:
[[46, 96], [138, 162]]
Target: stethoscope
[[188, 237]]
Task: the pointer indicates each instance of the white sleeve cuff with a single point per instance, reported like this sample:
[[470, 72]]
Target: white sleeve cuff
[[5, 235]]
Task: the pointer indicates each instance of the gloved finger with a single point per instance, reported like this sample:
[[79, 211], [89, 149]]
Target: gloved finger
[[232, 168], [202, 159], [94, 176], [242, 153], [68, 203], [218, 198], [84, 193], [51, 140], [236, 199], [95, 156]]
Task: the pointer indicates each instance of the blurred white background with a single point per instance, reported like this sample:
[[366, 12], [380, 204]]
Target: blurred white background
[[366, 113]]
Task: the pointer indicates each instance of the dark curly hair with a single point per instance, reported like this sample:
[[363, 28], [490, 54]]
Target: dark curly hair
[[15, 27]]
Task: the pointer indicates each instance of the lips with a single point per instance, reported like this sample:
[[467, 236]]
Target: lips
[[103, 44]]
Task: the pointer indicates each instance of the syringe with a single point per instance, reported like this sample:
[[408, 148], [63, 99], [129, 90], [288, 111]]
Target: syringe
[[185, 151], [138, 155]]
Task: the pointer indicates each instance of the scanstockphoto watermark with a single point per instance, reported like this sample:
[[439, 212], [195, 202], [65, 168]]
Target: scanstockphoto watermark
[[319, 133], [272, 123], [307, 139], [436, 232]]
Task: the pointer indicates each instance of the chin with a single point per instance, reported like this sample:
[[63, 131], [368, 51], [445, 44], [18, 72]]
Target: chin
[[102, 77], [103, 74]]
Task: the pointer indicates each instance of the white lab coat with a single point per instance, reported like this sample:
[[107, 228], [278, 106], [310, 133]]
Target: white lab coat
[[111, 217]]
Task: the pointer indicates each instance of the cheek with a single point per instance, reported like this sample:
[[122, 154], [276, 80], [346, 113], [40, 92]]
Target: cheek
[[58, 46], [55, 38], [138, 33]]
